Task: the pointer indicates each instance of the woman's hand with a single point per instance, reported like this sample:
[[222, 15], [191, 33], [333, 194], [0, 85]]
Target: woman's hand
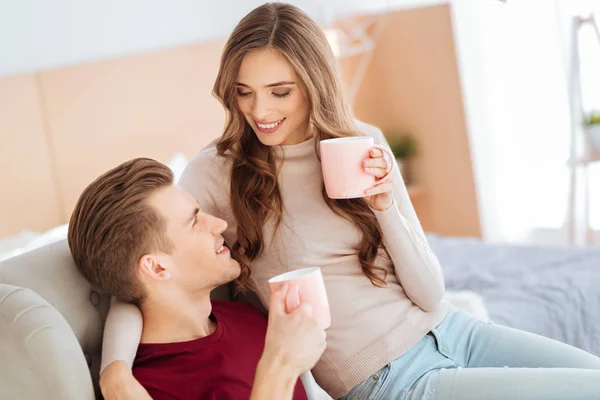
[[118, 383], [379, 197]]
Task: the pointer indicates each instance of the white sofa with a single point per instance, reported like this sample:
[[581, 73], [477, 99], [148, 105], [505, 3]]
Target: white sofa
[[51, 324]]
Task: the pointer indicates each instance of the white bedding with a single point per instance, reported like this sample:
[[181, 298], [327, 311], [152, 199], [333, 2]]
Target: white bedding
[[548, 290]]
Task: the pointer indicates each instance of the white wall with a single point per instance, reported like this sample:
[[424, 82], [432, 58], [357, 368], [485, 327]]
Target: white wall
[[515, 61], [589, 65], [41, 34], [514, 83]]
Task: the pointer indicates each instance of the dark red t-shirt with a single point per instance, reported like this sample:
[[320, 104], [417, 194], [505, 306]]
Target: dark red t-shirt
[[220, 366]]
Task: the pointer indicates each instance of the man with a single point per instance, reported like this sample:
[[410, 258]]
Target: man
[[145, 241]]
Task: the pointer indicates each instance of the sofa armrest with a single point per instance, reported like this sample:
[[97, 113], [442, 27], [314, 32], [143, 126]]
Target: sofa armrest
[[41, 357]]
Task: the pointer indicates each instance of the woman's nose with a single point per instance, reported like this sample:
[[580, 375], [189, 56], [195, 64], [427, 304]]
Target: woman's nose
[[262, 110]]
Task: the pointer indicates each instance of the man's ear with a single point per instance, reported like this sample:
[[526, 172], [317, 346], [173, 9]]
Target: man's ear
[[151, 266]]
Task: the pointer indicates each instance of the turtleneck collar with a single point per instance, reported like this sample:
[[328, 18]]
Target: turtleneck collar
[[299, 150]]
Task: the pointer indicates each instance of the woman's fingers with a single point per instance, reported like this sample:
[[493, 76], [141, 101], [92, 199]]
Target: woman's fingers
[[376, 162], [386, 187], [377, 172]]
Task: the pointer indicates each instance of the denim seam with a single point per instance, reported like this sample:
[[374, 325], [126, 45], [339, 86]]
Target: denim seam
[[363, 388], [385, 383], [368, 388], [427, 396], [443, 348], [414, 378]]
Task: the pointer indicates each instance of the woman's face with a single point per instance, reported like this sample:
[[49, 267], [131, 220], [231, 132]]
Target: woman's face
[[272, 98]]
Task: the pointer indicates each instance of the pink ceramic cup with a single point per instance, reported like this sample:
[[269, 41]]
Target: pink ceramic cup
[[311, 290], [342, 165]]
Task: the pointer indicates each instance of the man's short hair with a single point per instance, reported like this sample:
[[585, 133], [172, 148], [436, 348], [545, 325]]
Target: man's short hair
[[113, 226]]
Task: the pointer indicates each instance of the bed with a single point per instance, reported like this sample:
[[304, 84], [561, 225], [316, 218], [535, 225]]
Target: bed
[[551, 291]]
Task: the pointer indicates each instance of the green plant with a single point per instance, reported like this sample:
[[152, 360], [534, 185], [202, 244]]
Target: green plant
[[592, 118], [404, 147]]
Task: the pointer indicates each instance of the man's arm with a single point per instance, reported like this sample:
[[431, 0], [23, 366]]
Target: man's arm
[[293, 345], [273, 381]]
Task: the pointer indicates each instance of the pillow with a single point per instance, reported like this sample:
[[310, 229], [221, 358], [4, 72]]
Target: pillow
[[469, 302]]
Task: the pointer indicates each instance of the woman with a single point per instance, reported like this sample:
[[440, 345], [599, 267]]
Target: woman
[[392, 334]]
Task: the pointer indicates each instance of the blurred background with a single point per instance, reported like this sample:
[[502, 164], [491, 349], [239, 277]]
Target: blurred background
[[487, 104]]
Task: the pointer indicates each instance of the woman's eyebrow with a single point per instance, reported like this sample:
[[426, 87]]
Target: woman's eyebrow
[[281, 83]]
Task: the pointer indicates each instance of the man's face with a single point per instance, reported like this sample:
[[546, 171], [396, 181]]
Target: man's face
[[199, 259]]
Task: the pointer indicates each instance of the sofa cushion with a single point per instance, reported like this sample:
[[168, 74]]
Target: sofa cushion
[[51, 273], [41, 358]]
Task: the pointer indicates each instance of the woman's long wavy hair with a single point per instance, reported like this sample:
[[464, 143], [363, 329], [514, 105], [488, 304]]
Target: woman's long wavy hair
[[255, 195]]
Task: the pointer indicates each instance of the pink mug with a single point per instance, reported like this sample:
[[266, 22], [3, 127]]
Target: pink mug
[[342, 165], [311, 290]]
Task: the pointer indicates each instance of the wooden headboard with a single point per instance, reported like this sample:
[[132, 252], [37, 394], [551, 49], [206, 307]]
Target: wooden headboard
[[60, 129]]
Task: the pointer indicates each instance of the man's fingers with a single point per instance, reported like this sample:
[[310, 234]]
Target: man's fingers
[[292, 298], [306, 309], [277, 302]]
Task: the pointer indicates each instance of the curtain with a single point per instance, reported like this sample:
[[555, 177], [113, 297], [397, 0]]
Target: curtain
[[513, 59]]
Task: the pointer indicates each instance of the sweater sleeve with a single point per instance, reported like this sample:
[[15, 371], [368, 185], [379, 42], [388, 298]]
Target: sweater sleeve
[[415, 264], [122, 333]]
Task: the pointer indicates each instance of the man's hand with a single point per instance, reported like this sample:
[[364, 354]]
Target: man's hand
[[294, 341], [118, 383], [293, 345]]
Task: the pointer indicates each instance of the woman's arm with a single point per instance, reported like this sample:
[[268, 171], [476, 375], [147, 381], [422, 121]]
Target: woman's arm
[[415, 265], [122, 333]]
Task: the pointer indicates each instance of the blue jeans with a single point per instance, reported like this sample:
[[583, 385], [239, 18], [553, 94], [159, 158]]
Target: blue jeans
[[463, 358]]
